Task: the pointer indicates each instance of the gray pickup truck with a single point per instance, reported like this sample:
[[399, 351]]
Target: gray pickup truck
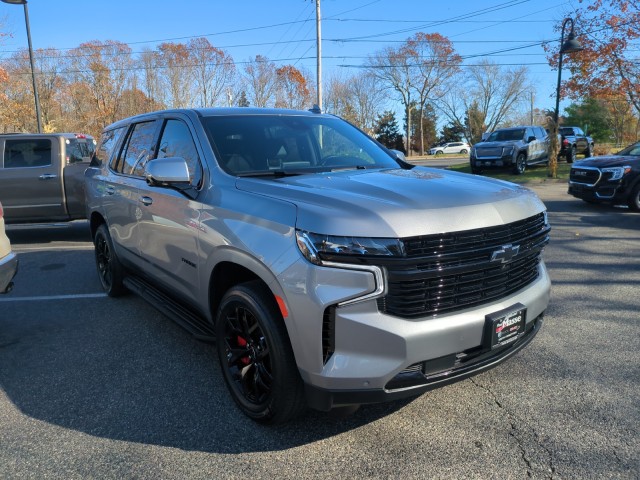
[[42, 176], [329, 272]]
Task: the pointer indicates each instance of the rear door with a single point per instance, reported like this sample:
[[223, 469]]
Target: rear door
[[30, 179]]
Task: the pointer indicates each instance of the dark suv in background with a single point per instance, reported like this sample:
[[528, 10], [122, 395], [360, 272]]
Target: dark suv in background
[[611, 179], [514, 148]]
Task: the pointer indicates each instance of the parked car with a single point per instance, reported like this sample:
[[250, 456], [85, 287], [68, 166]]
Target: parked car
[[514, 148], [42, 176], [574, 141], [8, 259], [452, 147], [330, 272], [611, 179]]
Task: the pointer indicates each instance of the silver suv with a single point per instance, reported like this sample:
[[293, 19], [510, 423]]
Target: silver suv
[[330, 272]]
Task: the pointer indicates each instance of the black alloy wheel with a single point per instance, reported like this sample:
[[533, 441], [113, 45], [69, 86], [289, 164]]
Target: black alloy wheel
[[256, 357], [521, 164], [110, 270], [571, 155]]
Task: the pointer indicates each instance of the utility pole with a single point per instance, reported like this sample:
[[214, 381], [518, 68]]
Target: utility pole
[[318, 56]]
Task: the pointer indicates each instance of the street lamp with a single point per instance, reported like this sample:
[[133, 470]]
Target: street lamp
[[33, 72], [570, 46]]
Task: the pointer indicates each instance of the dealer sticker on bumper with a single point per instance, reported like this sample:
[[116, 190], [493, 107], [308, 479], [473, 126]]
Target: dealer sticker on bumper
[[505, 326]]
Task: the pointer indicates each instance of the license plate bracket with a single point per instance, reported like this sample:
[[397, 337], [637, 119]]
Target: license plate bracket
[[506, 326]]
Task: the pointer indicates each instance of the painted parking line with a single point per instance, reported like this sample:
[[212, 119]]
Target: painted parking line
[[52, 297]]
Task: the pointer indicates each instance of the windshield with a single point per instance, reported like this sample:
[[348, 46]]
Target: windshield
[[277, 144], [631, 150], [506, 135]]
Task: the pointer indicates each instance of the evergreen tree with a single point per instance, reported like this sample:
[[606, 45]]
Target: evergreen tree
[[387, 131]]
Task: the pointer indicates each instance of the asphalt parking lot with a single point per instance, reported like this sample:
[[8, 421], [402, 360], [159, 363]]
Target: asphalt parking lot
[[93, 387]]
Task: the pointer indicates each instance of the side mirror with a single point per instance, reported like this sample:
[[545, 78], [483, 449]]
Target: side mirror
[[531, 139], [167, 171], [399, 155]]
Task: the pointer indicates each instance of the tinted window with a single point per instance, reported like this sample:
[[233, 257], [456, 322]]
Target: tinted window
[[27, 153], [79, 149], [107, 145], [256, 144], [506, 135], [137, 148], [176, 141], [540, 133]]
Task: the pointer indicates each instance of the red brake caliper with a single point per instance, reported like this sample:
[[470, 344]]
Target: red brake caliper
[[243, 343]]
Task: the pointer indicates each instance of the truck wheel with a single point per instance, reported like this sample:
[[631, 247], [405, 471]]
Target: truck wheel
[[109, 268], [256, 357], [521, 164], [589, 151], [571, 155], [634, 199]]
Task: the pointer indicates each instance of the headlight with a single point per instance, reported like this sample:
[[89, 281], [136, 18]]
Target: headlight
[[617, 172], [508, 150], [315, 247]]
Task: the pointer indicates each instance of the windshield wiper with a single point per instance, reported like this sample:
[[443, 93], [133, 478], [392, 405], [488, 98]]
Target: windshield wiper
[[271, 173]]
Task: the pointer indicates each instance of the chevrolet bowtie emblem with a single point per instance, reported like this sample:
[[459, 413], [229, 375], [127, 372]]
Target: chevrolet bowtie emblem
[[505, 254]]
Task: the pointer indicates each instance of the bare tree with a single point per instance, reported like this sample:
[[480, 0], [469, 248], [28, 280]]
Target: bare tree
[[435, 62], [177, 72], [490, 91], [394, 68], [149, 64], [261, 81], [214, 72]]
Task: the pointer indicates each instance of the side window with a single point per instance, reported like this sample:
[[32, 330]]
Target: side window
[[107, 145], [176, 141], [578, 131], [137, 147], [540, 133], [27, 153], [529, 133]]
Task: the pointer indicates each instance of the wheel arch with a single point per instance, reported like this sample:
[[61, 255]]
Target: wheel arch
[[95, 220]]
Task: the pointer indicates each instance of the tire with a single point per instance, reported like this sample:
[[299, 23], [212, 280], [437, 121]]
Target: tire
[[438, 152], [464, 151], [255, 355], [109, 267], [521, 164], [634, 199], [571, 154], [589, 151]]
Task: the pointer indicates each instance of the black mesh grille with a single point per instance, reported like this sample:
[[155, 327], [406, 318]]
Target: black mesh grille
[[584, 175], [450, 272]]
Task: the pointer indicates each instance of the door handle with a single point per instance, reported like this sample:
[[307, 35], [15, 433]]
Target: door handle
[[47, 176], [109, 190], [146, 200]]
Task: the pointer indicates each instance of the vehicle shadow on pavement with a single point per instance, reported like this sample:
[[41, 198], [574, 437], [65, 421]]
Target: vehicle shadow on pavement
[[117, 369]]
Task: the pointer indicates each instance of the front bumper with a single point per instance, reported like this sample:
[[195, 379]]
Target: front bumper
[[502, 161], [8, 270], [379, 357], [612, 191], [425, 376]]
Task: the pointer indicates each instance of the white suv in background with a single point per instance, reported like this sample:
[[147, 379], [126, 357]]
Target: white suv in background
[[452, 147], [8, 259]]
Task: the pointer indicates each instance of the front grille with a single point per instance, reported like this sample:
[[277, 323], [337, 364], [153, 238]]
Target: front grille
[[489, 152], [450, 272], [588, 176]]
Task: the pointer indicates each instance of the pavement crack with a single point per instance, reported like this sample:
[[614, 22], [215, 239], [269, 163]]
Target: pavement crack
[[514, 433]]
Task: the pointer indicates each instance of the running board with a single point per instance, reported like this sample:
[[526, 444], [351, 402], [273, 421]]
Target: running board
[[195, 325]]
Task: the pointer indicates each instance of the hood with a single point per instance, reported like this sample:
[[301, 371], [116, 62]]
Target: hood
[[608, 161], [504, 143], [397, 202]]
